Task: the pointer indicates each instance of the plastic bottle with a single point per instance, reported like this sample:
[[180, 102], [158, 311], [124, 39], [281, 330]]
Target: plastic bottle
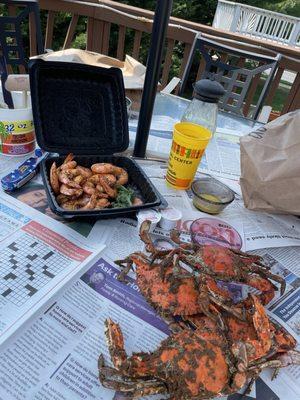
[[203, 109]]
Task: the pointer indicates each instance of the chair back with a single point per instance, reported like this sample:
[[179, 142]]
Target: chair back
[[13, 56], [239, 72]]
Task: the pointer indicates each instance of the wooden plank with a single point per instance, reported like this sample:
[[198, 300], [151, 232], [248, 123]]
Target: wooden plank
[[168, 61], [105, 38], [71, 31], [89, 33], [32, 35], [22, 69], [94, 35], [274, 86], [276, 47], [121, 42], [87, 9], [12, 10], [136, 44], [201, 68], [251, 93], [186, 53], [293, 99], [49, 29]]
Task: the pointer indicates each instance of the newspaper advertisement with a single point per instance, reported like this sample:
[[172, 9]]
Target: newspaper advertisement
[[37, 255], [55, 355]]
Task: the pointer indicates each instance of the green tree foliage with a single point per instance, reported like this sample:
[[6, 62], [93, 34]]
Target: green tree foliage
[[290, 7]]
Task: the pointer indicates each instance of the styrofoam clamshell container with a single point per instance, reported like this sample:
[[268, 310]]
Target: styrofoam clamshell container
[[81, 109]]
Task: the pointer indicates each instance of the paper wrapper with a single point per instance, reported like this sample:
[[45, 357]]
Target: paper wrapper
[[270, 166], [133, 71]]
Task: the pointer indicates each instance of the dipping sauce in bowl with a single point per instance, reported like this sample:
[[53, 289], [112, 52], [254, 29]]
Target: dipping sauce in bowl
[[210, 195]]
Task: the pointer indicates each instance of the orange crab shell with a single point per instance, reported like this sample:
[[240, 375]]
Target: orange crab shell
[[177, 297], [199, 366]]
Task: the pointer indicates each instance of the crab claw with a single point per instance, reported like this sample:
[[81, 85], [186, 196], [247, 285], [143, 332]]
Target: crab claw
[[115, 341], [145, 237]]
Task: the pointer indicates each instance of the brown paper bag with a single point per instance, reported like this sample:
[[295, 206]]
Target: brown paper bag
[[270, 166]]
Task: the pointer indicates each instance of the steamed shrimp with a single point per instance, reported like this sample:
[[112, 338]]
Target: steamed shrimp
[[69, 191], [54, 182], [110, 178], [67, 178], [107, 168]]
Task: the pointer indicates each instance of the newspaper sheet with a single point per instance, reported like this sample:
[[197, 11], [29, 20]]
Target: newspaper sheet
[[54, 356], [260, 230], [9, 163], [37, 255], [285, 310], [122, 234], [221, 157]]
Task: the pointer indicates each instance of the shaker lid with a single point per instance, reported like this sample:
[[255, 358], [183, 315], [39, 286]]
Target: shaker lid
[[208, 91]]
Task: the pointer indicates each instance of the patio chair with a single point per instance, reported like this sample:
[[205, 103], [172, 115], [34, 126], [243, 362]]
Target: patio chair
[[13, 56], [239, 72]]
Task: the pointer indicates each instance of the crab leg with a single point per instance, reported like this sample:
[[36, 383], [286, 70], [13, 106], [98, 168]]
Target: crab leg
[[291, 357], [127, 265], [136, 366], [111, 378]]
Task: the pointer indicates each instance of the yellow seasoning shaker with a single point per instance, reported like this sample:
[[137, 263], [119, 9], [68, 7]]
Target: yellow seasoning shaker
[[188, 145]]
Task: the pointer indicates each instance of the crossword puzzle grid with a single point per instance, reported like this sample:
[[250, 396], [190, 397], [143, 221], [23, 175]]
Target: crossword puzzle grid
[[27, 265]]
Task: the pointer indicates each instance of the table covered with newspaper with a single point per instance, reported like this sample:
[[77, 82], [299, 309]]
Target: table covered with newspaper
[[52, 318]]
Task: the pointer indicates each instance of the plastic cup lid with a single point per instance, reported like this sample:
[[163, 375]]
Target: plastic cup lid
[[171, 213], [150, 215]]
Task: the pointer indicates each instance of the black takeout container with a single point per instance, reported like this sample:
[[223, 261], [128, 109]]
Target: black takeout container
[[81, 109]]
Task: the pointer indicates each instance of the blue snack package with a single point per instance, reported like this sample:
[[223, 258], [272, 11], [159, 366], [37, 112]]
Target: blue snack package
[[26, 171]]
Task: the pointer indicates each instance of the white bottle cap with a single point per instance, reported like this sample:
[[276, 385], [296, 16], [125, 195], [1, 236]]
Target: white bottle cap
[[169, 218]]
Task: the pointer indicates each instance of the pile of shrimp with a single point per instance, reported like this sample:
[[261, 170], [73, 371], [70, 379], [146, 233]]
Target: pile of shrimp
[[81, 188]]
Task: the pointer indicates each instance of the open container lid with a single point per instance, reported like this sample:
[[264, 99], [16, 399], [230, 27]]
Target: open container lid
[[78, 108]]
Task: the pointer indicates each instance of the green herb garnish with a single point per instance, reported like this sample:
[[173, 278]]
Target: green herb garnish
[[124, 198]]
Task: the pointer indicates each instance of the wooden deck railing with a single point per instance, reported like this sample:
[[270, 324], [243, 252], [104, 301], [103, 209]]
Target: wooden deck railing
[[104, 16]]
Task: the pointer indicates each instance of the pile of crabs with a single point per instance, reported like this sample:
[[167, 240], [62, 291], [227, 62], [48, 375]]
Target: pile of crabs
[[216, 347], [80, 188]]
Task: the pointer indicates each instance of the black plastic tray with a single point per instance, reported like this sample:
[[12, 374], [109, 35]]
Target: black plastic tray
[[78, 108], [150, 195], [81, 109]]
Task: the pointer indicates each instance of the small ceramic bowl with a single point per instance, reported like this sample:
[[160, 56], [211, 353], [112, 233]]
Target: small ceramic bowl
[[210, 195]]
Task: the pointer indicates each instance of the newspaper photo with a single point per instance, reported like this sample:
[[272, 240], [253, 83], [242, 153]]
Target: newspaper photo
[[37, 255]]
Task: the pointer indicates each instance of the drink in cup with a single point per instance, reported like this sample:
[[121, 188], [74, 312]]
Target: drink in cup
[[189, 143]]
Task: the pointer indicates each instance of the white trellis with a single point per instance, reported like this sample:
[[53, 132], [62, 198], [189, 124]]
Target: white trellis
[[256, 22]]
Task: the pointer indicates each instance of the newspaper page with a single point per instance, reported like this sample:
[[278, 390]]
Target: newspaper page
[[285, 310], [221, 157], [122, 234], [9, 163], [37, 255], [260, 230], [54, 356]]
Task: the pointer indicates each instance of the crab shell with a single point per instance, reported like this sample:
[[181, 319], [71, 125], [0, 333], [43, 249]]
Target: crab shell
[[189, 364]]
